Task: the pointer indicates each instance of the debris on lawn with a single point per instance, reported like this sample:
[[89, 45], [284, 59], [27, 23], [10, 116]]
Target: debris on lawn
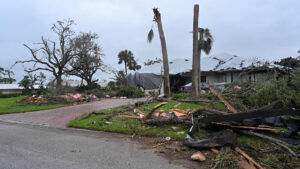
[[230, 107], [66, 98], [227, 127], [33, 100], [248, 157], [198, 156], [218, 139]]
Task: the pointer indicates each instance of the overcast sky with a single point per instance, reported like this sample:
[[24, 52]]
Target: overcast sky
[[250, 28]]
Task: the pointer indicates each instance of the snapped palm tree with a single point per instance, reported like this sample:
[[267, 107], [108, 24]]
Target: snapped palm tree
[[204, 43], [157, 20]]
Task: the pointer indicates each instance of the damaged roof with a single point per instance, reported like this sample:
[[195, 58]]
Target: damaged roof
[[217, 62]]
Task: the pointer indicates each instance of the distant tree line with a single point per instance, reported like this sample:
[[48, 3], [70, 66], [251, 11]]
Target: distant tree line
[[289, 62]]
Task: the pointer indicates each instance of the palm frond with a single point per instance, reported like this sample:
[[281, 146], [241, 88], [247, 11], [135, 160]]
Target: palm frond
[[205, 40], [207, 45], [150, 35], [207, 34]]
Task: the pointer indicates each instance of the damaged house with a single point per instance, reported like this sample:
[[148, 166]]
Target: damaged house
[[217, 70]]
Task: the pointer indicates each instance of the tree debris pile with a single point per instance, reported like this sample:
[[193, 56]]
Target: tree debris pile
[[67, 98]]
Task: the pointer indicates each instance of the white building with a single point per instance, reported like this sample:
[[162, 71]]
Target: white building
[[216, 69], [13, 88]]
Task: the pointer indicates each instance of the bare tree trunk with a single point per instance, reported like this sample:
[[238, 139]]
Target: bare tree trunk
[[196, 61], [58, 82], [167, 90]]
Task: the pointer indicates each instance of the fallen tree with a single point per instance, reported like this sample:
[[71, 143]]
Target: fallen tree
[[248, 115]]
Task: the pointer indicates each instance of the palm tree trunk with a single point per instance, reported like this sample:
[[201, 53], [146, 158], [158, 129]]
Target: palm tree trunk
[[125, 68], [167, 89], [196, 61]]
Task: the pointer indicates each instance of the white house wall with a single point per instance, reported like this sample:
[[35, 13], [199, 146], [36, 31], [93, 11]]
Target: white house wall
[[239, 78]]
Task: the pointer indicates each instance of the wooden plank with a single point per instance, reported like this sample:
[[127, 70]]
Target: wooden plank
[[177, 105], [229, 106], [131, 117], [247, 127], [181, 111], [209, 110]]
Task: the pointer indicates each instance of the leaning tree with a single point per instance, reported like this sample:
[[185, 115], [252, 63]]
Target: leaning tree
[[88, 57], [53, 56], [157, 20]]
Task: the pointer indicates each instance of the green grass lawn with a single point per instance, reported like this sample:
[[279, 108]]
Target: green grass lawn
[[10, 105], [134, 126]]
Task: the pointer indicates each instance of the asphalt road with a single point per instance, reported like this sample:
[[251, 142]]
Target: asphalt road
[[60, 117], [24, 146]]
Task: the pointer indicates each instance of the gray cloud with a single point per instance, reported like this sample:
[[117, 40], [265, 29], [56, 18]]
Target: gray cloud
[[252, 28]]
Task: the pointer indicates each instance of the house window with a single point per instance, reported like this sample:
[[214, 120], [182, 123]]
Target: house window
[[231, 76], [249, 76], [203, 78]]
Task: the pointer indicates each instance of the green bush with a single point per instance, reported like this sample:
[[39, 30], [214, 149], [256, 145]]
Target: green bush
[[275, 90], [9, 95], [87, 87], [180, 96], [131, 92], [267, 93]]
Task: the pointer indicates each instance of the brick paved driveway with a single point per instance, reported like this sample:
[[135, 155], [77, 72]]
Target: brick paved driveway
[[61, 116]]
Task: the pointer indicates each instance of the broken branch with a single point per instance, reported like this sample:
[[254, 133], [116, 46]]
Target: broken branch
[[131, 117], [156, 107], [248, 157], [247, 127]]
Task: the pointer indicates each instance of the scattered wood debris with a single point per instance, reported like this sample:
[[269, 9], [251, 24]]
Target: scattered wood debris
[[216, 151], [198, 156], [229, 106], [155, 107], [177, 105], [204, 117]]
